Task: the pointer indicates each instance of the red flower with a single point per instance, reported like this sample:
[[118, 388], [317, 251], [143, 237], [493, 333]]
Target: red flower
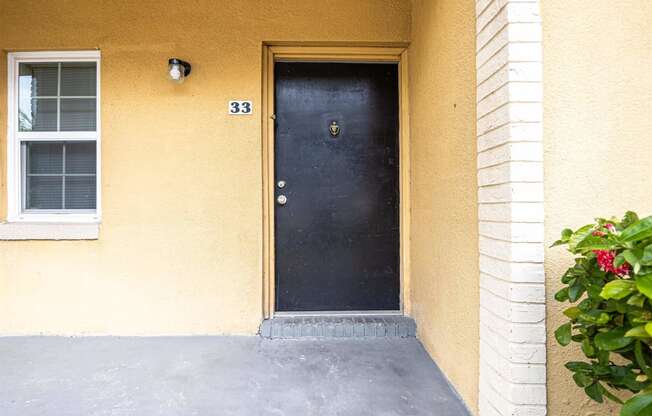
[[610, 227], [606, 262]]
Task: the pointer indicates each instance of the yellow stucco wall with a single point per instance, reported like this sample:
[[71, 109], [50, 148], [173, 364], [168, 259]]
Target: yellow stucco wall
[[180, 249], [444, 260], [597, 124]]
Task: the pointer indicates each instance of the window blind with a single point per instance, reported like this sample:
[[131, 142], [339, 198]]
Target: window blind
[[57, 96], [59, 175]]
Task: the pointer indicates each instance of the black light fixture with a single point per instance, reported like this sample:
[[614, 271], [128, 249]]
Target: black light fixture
[[178, 70]]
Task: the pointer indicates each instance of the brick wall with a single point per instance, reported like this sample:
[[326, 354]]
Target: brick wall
[[510, 195]]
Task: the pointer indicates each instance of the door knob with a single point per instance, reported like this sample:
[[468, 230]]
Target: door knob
[[282, 199]]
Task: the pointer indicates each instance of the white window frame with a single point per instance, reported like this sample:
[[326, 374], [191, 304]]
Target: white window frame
[[15, 211]]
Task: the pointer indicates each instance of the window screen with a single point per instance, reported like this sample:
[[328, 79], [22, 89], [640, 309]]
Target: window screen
[[57, 96], [59, 175]]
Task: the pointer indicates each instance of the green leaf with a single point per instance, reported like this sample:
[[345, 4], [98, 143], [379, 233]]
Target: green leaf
[[637, 318], [636, 300], [573, 312], [633, 256], [592, 242], [630, 218], [579, 235], [576, 366], [588, 349], [640, 405], [638, 332], [586, 305], [562, 295], [601, 370], [582, 379], [618, 289], [603, 318], [648, 328], [638, 231], [575, 291], [565, 236], [568, 276], [631, 381], [594, 391], [644, 284], [640, 358], [563, 334], [594, 291], [603, 357], [612, 340], [595, 317], [646, 259], [611, 396]]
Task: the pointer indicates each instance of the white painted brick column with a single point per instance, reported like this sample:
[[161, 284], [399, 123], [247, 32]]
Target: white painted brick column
[[510, 195]]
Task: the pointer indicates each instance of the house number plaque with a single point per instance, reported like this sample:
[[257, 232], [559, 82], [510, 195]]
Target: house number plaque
[[240, 107]]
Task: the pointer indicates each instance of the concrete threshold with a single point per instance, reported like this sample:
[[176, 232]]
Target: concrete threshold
[[337, 326]]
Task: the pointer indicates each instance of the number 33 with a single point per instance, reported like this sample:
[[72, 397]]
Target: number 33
[[240, 107]]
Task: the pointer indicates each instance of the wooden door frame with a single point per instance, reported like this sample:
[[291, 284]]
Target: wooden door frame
[[328, 53]]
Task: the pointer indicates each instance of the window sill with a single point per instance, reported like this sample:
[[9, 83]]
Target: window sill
[[49, 231]]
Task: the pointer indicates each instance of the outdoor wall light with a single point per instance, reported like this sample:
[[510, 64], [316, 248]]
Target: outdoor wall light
[[178, 70]]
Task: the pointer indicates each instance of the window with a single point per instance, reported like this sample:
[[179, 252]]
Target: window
[[54, 134]]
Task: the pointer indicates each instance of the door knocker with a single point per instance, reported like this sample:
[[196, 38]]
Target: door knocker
[[334, 129]]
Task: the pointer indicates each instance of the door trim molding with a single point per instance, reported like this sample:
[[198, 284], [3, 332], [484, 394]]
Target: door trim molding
[[331, 53]]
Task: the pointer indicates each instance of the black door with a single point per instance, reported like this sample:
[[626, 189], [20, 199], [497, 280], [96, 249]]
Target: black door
[[336, 150]]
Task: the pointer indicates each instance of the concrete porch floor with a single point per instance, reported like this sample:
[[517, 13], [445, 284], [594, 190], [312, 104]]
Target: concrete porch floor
[[220, 376]]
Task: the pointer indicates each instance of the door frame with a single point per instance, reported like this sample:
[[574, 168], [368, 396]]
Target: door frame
[[285, 52]]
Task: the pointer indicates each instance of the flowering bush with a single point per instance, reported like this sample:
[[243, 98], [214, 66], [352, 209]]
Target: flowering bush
[[610, 292]]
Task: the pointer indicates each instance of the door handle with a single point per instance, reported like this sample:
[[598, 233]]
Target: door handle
[[281, 200]]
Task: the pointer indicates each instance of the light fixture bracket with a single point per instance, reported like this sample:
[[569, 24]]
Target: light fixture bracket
[[186, 66]]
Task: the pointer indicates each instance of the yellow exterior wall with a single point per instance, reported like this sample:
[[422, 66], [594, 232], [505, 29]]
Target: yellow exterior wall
[[444, 260], [597, 124], [180, 248]]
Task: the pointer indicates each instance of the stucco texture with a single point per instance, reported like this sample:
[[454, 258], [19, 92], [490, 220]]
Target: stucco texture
[[444, 236], [597, 123], [180, 247]]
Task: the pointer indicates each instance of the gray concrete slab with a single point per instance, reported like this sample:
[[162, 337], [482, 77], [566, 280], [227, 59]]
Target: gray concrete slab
[[243, 376]]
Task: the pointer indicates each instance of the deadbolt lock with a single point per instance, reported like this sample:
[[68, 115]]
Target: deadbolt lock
[[282, 199], [334, 129]]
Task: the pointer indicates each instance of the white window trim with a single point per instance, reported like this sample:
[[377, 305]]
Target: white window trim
[[15, 213], [49, 231]]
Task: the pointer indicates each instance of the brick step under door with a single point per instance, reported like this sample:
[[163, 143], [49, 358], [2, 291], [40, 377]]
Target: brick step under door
[[338, 327]]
